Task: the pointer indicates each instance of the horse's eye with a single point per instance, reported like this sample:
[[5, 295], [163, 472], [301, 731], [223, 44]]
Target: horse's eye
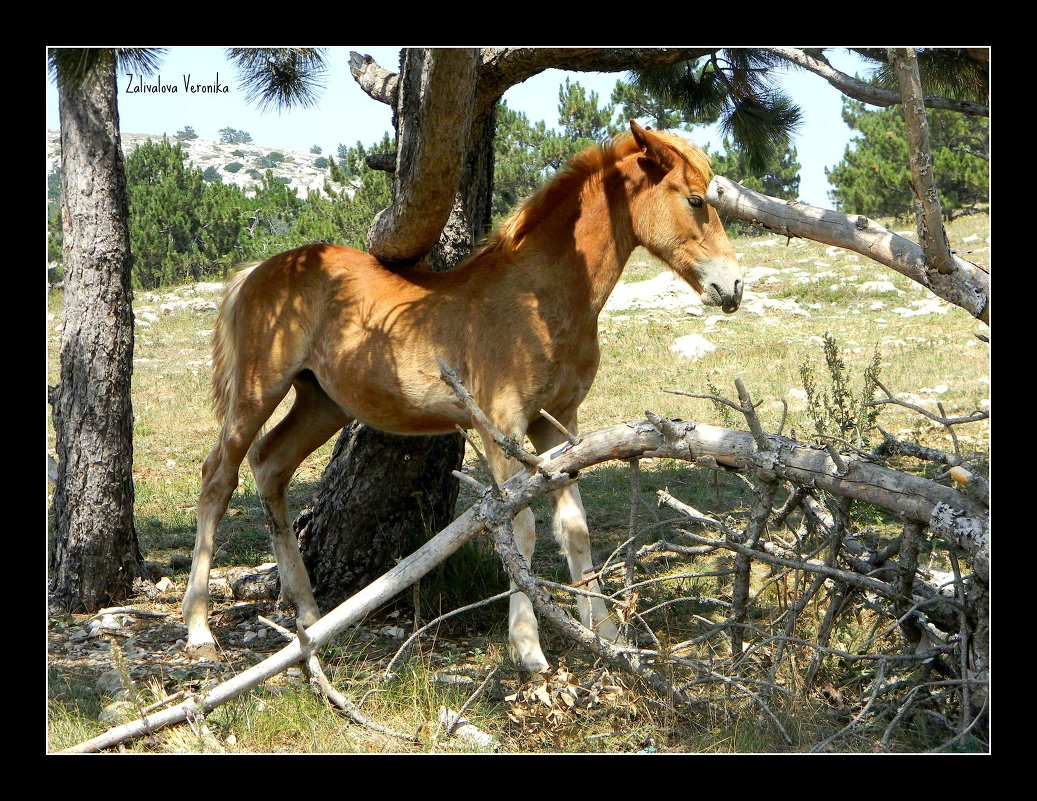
[[696, 201]]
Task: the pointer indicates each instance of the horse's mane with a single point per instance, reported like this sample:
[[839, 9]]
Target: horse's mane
[[581, 167]]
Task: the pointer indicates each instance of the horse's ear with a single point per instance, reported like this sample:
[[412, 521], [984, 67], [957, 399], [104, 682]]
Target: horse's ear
[[654, 148]]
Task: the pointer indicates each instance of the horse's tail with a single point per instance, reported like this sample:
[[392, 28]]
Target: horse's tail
[[225, 345]]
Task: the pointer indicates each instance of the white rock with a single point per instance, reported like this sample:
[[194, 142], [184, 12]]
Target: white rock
[[249, 637], [392, 631], [797, 394], [695, 311], [692, 346], [464, 730], [766, 243], [879, 287], [833, 251], [754, 274], [163, 584], [927, 306], [971, 238], [877, 305]]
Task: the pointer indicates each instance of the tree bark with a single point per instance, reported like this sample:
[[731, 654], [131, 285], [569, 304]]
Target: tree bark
[[931, 234], [380, 492], [434, 107], [95, 555], [380, 496]]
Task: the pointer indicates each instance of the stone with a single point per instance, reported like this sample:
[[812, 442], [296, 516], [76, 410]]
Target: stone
[[118, 712], [109, 682], [879, 287], [692, 346]]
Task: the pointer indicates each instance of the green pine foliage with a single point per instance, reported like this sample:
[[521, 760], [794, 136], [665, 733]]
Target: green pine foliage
[[874, 176], [187, 132], [527, 154], [234, 166], [232, 136], [181, 227], [184, 227], [636, 103], [779, 177]]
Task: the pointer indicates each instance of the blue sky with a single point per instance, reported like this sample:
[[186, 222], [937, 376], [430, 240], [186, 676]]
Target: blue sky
[[346, 115]]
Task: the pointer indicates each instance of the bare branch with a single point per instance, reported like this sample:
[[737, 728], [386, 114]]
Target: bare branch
[[946, 421], [873, 95], [968, 286], [931, 233], [378, 82], [573, 439], [507, 444], [387, 673]]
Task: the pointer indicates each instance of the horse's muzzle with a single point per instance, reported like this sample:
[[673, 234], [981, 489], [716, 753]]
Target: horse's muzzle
[[727, 300]]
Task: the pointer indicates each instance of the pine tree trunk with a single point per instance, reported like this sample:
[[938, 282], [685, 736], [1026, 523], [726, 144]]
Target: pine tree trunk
[[94, 556], [381, 494]]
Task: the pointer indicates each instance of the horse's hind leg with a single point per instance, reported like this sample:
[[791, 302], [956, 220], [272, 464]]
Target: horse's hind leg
[[219, 479], [313, 419], [569, 522]]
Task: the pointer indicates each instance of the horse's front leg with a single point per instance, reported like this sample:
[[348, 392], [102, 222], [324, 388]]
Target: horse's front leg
[[569, 522], [523, 633]]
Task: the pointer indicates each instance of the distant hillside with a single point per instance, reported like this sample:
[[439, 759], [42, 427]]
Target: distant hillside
[[297, 166]]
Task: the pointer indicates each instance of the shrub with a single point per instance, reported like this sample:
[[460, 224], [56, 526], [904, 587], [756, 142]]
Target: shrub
[[211, 174], [320, 163], [234, 166]]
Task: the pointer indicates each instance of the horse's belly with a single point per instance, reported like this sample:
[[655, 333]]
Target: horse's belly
[[410, 407]]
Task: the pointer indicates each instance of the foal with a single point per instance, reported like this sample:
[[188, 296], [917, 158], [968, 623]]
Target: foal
[[517, 320]]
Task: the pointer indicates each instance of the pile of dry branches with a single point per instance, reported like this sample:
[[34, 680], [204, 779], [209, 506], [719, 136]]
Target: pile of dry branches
[[926, 652]]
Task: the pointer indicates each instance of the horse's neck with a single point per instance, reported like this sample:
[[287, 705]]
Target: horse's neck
[[588, 256]]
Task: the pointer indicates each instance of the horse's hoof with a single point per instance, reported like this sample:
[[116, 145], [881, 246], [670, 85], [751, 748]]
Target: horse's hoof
[[203, 651], [529, 660]]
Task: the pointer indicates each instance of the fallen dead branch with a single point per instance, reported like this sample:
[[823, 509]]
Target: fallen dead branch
[[956, 516]]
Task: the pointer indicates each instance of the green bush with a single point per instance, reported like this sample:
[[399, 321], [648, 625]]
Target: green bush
[[320, 163], [211, 174], [239, 153], [234, 166]]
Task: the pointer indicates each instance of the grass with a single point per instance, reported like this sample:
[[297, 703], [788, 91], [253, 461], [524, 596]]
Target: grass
[[930, 357]]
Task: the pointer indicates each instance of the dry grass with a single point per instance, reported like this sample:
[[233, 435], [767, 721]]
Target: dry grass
[[174, 429]]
